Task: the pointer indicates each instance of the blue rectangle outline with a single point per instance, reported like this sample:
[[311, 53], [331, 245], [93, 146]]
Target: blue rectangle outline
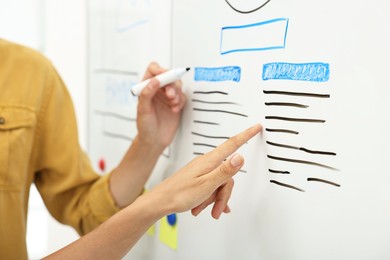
[[253, 25]]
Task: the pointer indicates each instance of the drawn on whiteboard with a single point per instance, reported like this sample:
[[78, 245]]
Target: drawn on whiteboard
[[291, 119], [139, 10], [315, 72], [324, 181], [270, 34], [285, 104], [289, 93], [229, 73], [300, 148], [278, 171], [302, 162], [286, 185], [255, 6], [287, 131], [206, 102]]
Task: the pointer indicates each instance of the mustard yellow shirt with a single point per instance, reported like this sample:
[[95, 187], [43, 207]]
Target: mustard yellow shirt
[[39, 143]]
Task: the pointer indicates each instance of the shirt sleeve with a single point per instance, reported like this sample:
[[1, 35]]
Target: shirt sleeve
[[71, 190]]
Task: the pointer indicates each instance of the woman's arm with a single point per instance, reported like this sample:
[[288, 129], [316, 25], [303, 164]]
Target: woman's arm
[[201, 182], [158, 116]]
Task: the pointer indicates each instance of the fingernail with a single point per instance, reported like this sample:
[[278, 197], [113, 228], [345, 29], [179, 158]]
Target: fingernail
[[236, 160]]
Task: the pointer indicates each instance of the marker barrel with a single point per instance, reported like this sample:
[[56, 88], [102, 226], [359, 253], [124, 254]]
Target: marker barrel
[[164, 79]]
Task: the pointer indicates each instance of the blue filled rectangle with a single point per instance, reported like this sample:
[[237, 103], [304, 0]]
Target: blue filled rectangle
[[230, 73], [315, 72]]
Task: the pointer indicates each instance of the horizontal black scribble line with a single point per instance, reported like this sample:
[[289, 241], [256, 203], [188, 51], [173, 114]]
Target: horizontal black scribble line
[[124, 137], [279, 172], [302, 162], [286, 185], [243, 171], [111, 114], [285, 104], [296, 119], [202, 144], [300, 148], [196, 153], [296, 94], [324, 181], [219, 111], [282, 131], [209, 136], [214, 102], [113, 71], [210, 92], [205, 122]]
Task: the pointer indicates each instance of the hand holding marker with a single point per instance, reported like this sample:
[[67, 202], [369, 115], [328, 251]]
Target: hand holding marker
[[164, 79]]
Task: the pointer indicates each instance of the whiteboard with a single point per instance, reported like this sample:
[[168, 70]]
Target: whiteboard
[[314, 74]]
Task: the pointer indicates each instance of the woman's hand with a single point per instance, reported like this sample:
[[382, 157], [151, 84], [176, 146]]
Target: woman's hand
[[205, 180], [159, 110]]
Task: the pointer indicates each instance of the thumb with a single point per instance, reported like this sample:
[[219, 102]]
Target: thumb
[[228, 169]]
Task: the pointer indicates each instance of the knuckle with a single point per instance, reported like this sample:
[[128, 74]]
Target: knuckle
[[224, 169]]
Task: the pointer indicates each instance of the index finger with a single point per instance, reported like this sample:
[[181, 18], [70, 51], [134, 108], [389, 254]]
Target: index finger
[[153, 70], [228, 147]]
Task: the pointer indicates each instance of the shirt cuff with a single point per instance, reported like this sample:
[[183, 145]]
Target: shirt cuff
[[102, 203]]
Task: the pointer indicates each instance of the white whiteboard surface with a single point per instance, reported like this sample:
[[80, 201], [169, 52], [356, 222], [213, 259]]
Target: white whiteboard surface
[[332, 148]]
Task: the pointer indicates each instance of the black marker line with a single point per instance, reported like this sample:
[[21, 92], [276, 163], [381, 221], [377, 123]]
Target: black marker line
[[282, 131], [214, 103], [113, 71], [278, 172], [248, 11], [285, 104], [296, 94], [195, 153], [286, 185], [205, 122], [324, 181], [203, 144], [210, 92], [244, 171], [219, 111], [300, 148], [209, 136], [302, 162], [119, 116], [306, 120]]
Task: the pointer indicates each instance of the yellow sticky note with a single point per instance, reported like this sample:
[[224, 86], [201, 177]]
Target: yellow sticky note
[[152, 230], [168, 231]]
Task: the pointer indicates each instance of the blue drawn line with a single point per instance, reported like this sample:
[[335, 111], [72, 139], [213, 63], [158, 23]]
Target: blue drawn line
[[122, 6], [280, 40], [131, 26], [316, 72], [230, 73]]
